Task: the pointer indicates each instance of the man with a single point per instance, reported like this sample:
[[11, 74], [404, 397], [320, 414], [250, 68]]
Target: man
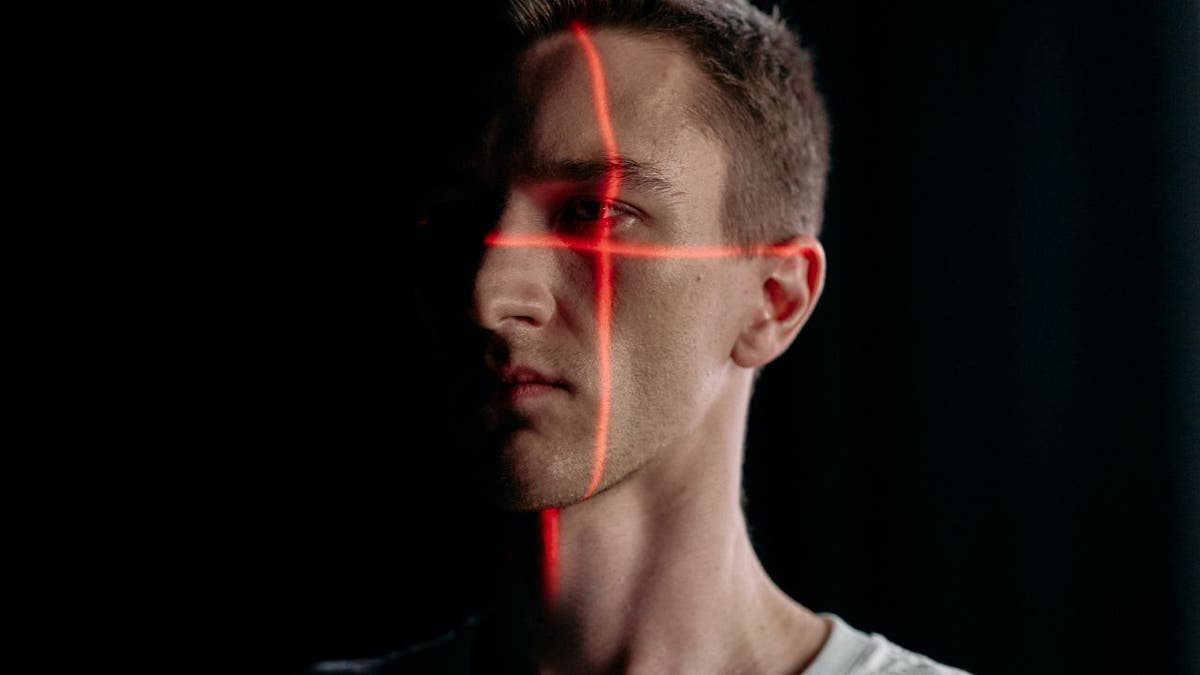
[[663, 168]]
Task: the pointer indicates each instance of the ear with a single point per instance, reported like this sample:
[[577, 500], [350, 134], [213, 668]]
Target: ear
[[790, 283]]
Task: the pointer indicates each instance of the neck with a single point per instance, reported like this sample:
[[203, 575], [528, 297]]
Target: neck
[[657, 574]]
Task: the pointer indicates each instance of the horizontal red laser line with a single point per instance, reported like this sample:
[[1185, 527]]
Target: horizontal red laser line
[[640, 250]]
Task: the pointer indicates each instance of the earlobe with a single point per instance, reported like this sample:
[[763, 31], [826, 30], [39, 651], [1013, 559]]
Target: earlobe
[[789, 290]]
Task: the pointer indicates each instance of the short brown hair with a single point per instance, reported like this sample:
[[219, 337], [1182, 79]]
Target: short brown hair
[[763, 104]]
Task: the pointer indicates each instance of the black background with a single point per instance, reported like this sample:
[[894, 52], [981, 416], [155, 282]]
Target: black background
[[983, 446]]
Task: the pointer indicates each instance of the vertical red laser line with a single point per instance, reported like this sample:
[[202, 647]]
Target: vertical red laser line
[[549, 522], [604, 291]]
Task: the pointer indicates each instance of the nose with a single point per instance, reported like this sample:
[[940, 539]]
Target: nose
[[513, 284]]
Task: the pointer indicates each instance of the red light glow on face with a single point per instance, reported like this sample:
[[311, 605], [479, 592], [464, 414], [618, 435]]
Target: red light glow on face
[[603, 247]]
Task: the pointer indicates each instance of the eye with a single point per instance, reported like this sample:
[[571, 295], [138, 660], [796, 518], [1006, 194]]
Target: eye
[[584, 214]]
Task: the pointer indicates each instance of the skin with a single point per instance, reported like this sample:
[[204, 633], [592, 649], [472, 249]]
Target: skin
[[657, 573]]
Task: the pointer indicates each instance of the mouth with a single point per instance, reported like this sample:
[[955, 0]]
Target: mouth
[[519, 384]]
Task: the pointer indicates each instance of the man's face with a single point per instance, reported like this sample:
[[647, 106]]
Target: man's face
[[674, 321]]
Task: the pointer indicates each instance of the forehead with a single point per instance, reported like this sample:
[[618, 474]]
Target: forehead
[[650, 86]]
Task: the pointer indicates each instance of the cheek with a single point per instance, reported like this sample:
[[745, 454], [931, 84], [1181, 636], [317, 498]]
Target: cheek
[[668, 336]]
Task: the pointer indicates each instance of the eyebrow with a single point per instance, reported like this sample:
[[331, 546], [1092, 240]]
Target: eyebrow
[[634, 174]]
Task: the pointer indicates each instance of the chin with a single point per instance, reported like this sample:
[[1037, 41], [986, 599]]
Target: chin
[[520, 501], [531, 476], [521, 494]]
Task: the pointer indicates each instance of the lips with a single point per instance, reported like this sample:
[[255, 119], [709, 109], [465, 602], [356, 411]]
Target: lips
[[520, 383], [513, 375]]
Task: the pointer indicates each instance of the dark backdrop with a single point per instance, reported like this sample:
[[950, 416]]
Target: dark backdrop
[[984, 445]]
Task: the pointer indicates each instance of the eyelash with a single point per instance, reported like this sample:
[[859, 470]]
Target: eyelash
[[615, 212]]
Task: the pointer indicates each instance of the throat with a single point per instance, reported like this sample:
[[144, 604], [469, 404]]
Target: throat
[[675, 586]]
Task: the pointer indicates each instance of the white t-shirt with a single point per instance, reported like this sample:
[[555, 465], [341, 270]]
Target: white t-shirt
[[849, 651]]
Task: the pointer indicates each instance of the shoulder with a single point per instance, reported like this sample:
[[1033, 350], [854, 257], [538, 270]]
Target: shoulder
[[849, 651]]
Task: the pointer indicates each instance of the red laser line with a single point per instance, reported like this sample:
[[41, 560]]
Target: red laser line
[[612, 179], [640, 250], [549, 523]]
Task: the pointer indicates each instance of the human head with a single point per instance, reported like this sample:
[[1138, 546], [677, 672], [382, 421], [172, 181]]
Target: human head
[[686, 333], [759, 99]]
